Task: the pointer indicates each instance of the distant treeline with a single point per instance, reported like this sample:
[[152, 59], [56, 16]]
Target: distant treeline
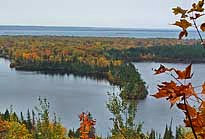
[[177, 53]]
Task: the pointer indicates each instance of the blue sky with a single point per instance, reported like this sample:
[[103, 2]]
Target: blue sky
[[97, 13]]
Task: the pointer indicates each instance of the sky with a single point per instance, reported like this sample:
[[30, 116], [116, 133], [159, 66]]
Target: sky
[[90, 13]]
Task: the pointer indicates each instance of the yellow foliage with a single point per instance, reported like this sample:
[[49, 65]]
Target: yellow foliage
[[17, 131], [189, 135], [117, 62]]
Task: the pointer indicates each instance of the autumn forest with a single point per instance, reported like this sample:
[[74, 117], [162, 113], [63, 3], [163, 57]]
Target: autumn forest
[[98, 58], [154, 90]]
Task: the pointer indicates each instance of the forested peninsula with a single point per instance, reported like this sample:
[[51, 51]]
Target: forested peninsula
[[78, 56], [99, 58]]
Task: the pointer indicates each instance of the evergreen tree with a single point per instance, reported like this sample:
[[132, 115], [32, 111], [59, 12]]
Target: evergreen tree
[[152, 134], [28, 122], [15, 117], [22, 117], [6, 115], [33, 118], [179, 134], [168, 132]]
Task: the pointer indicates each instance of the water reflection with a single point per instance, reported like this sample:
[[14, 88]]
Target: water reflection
[[95, 77]]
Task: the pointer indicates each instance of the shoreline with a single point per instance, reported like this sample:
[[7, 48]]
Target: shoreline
[[102, 37], [170, 61], [100, 57]]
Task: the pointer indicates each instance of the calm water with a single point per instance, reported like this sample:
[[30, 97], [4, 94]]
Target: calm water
[[93, 32], [70, 95], [155, 113]]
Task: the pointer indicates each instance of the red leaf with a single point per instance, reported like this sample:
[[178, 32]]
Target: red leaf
[[186, 74], [182, 34]]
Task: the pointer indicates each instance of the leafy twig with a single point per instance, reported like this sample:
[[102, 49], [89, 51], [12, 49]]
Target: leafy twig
[[189, 117], [198, 31]]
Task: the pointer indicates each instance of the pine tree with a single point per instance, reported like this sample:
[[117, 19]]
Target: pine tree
[[166, 133], [152, 134], [170, 131], [22, 118], [28, 122], [15, 117], [6, 115], [179, 134], [33, 118]]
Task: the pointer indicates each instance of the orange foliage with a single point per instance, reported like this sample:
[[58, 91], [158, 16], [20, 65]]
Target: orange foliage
[[161, 69], [26, 56], [189, 15], [87, 129], [181, 93], [3, 126], [186, 74]]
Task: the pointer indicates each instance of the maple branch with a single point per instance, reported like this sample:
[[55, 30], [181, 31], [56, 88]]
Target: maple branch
[[189, 117], [199, 98], [197, 29], [176, 79]]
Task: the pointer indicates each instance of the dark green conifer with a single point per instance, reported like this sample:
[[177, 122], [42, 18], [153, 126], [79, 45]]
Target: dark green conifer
[[6, 115], [28, 122], [152, 134], [33, 118], [15, 117], [22, 118]]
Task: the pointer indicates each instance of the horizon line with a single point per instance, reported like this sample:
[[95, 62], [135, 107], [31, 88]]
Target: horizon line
[[107, 27]]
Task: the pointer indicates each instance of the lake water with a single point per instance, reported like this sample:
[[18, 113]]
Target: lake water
[[69, 96], [93, 32]]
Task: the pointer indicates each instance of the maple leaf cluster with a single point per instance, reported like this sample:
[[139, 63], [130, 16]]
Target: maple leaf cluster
[[189, 15], [87, 123], [178, 92]]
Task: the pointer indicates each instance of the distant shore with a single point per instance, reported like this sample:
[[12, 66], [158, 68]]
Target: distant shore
[[94, 32]]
